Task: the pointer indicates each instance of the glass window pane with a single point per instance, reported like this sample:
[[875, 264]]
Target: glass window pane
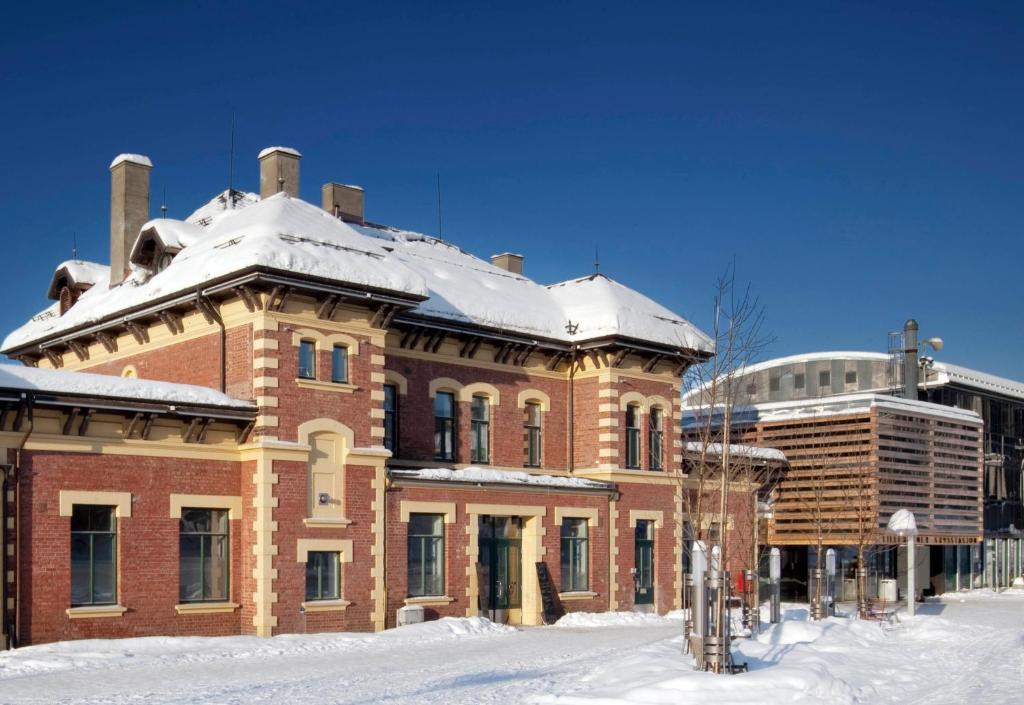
[[416, 567], [339, 364], [480, 408], [104, 579], [218, 521], [444, 405], [307, 359], [190, 568], [216, 568], [80, 570], [194, 521], [80, 517]]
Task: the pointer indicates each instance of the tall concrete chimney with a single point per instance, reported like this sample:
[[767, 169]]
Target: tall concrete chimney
[[509, 261], [279, 171], [343, 201], [129, 209], [910, 359]]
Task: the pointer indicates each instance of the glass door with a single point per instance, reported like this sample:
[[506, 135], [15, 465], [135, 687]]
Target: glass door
[[644, 563], [501, 565]]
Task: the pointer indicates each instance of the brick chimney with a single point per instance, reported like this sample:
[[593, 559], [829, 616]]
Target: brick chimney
[[279, 171], [129, 209], [343, 201], [509, 261]]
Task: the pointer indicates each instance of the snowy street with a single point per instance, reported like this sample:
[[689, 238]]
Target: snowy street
[[964, 649]]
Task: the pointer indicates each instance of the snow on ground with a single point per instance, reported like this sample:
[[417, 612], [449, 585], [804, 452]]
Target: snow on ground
[[962, 648]]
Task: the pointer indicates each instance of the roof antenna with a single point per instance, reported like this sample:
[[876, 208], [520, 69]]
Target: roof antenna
[[439, 230], [597, 261], [163, 206], [74, 245], [231, 165]]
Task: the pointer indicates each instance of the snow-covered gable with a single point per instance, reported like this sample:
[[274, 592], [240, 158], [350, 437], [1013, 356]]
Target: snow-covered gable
[[212, 209], [738, 450], [107, 386], [602, 307]]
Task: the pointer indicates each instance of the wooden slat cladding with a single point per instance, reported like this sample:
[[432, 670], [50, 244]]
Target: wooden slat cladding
[[848, 473]]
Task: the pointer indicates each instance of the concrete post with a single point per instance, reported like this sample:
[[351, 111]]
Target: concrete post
[[775, 573], [911, 577], [129, 209]]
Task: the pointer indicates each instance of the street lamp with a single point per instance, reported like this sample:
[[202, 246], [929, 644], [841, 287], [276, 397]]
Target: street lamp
[[902, 523]]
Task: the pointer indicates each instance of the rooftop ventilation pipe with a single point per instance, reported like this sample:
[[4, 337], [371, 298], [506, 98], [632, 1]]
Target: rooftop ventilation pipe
[[910, 331]]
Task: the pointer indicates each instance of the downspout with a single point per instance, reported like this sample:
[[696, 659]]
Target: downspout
[[15, 637]]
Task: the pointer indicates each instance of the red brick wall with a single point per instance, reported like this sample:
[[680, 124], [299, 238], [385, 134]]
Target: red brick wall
[[416, 426], [147, 544], [356, 580], [195, 361], [646, 497]]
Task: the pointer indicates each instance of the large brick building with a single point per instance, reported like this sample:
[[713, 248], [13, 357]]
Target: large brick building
[[361, 418]]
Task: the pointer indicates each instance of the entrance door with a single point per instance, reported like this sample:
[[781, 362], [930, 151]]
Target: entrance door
[[644, 563], [501, 566]]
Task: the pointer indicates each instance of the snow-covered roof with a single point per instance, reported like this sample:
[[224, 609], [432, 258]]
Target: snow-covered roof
[[285, 234], [754, 452], [108, 386], [504, 477], [174, 235]]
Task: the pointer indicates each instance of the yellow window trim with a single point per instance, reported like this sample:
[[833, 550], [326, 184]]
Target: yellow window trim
[[324, 340], [655, 515], [120, 501], [408, 507], [533, 395], [393, 378], [444, 384], [588, 513], [480, 389], [95, 612], [206, 501], [635, 398], [338, 387], [508, 510], [429, 600], [579, 595], [342, 546], [325, 605], [205, 607]]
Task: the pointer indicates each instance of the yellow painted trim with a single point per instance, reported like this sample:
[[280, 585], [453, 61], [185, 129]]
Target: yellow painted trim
[[533, 395], [361, 327], [660, 402], [428, 600], [480, 389], [378, 595], [633, 398], [130, 372], [408, 507], [588, 513], [327, 523], [339, 387], [56, 442], [324, 425], [392, 377], [325, 341], [232, 503], [97, 612], [443, 384], [580, 595], [613, 553], [507, 510], [121, 501], [655, 515], [476, 363], [265, 548], [304, 546], [325, 605], [205, 607]]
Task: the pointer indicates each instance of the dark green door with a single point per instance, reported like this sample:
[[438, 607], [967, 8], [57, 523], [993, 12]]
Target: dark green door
[[644, 565], [501, 562]]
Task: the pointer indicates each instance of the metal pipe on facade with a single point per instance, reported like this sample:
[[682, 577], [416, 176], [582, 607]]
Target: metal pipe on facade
[[16, 636]]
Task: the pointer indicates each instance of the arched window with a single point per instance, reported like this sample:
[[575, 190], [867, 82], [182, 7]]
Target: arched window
[[480, 429], [531, 434], [307, 359], [339, 364], [656, 439], [633, 436], [444, 426]]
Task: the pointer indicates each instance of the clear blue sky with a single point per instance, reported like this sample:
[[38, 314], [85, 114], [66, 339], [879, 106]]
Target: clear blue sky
[[863, 162]]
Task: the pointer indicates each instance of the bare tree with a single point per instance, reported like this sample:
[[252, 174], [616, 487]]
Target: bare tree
[[712, 392]]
